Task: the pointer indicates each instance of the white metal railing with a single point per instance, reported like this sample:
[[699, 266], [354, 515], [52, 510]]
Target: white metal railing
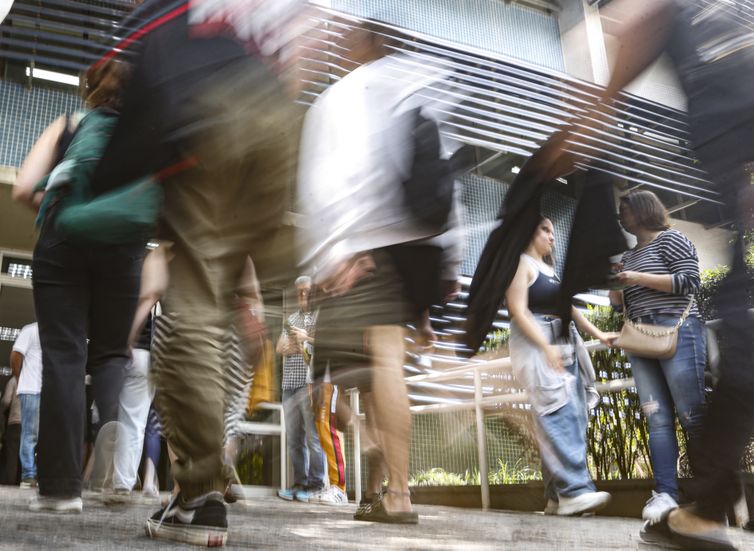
[[272, 429], [476, 371]]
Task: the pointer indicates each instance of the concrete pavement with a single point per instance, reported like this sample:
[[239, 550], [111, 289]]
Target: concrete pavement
[[270, 523]]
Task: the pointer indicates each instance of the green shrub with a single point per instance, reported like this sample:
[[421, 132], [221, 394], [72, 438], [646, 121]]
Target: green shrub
[[517, 473], [617, 436], [497, 341], [711, 281]]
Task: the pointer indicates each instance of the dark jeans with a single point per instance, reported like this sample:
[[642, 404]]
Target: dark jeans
[[80, 292], [729, 423], [10, 455]]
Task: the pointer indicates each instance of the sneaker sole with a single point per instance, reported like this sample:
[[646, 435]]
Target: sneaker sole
[[74, 511], [330, 503], [566, 512], [197, 535]]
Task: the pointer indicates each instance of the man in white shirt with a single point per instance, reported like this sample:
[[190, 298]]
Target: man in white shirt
[[26, 363]]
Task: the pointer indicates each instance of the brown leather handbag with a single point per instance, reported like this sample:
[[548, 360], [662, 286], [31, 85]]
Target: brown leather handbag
[[645, 340]]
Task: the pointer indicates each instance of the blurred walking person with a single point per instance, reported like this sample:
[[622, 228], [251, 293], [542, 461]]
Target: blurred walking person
[[217, 124], [363, 234], [709, 44]]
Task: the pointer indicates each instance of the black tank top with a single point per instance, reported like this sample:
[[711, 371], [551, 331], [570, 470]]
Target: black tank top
[[543, 293]]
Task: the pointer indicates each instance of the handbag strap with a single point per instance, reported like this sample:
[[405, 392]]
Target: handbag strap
[[641, 328]]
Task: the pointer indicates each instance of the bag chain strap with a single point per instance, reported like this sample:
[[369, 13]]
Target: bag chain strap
[[639, 328]]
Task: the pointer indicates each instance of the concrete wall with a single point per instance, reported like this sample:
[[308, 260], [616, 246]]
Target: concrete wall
[[711, 244], [589, 49]]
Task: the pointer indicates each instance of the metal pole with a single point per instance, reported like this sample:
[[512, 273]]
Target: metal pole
[[356, 445], [484, 480]]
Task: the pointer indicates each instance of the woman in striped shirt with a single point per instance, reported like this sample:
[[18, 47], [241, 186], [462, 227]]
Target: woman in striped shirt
[[661, 276]]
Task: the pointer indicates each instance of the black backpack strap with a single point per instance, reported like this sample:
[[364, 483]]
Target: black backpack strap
[[65, 139]]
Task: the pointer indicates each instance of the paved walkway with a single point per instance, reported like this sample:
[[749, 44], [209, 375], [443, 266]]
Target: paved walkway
[[270, 523]]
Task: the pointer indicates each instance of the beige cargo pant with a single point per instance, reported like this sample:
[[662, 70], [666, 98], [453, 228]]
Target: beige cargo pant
[[228, 207]]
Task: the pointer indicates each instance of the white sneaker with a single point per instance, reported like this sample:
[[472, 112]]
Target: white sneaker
[[552, 507], [329, 496], [584, 503], [60, 505], [657, 507]]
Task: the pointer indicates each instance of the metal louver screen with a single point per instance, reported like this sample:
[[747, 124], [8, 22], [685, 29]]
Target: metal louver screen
[[502, 104]]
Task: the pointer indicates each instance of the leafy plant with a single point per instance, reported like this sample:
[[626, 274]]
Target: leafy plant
[[712, 279], [497, 341], [440, 477], [516, 473], [617, 436]]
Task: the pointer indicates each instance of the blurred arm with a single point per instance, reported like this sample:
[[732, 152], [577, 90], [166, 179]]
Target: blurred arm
[[38, 163], [16, 363]]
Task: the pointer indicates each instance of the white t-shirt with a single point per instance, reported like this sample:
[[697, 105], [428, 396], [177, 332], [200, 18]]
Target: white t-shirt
[[355, 152], [27, 344]]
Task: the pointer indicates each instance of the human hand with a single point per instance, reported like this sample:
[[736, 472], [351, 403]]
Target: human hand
[[300, 336], [629, 278], [36, 199], [451, 288], [425, 335], [608, 339], [290, 345], [348, 273], [554, 358]]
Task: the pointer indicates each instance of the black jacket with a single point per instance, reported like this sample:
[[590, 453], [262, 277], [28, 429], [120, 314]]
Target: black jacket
[[595, 237]]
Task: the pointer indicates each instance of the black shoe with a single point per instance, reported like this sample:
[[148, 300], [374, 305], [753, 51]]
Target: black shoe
[[376, 512], [658, 534], [205, 524]]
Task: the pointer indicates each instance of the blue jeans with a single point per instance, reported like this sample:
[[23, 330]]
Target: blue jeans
[[304, 448], [29, 434], [562, 445], [667, 387]]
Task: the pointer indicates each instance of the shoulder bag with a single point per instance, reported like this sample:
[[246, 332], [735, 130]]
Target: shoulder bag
[[650, 341]]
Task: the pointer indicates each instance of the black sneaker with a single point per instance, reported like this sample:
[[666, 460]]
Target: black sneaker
[[658, 534], [205, 524]]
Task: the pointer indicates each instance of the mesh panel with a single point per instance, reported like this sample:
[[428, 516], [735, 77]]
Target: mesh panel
[[481, 199], [24, 114], [448, 441], [492, 25]]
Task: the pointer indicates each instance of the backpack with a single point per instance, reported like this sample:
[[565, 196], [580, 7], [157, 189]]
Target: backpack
[[429, 187]]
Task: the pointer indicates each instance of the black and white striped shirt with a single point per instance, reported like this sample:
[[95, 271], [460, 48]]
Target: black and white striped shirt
[[669, 253]]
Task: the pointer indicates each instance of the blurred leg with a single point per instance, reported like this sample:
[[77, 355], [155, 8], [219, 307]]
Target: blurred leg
[[391, 409]]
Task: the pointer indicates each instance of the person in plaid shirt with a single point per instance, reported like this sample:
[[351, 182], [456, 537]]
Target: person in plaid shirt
[[303, 442]]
